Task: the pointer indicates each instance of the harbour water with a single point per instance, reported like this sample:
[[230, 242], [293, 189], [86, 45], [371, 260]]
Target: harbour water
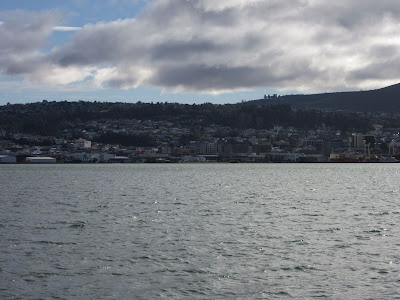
[[200, 231]]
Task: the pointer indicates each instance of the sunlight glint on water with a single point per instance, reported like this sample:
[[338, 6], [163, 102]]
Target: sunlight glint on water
[[213, 231]]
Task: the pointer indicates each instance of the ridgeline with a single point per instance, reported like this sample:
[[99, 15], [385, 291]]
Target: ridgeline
[[381, 100], [49, 118]]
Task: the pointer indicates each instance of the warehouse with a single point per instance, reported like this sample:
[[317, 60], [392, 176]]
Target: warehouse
[[40, 160], [7, 159]]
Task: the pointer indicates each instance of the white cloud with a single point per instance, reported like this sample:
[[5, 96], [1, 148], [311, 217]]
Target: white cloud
[[54, 74], [209, 46], [60, 28], [66, 28]]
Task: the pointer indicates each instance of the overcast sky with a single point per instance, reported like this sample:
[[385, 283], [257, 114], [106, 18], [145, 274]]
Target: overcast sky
[[194, 50]]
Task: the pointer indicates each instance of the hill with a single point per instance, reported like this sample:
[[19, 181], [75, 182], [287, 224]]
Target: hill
[[51, 118], [381, 100]]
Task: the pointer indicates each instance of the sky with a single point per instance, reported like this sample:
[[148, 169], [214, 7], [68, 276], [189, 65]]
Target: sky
[[194, 51]]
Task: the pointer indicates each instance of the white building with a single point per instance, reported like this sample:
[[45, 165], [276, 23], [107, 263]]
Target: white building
[[41, 160], [83, 144]]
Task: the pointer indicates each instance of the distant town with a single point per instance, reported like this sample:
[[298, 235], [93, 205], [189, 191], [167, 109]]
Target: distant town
[[92, 132]]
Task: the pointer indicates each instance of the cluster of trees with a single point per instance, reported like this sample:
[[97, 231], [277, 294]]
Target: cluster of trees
[[144, 140], [48, 118]]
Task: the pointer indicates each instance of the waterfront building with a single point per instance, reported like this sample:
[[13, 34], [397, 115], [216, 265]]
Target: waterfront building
[[41, 160], [119, 159], [192, 159], [4, 159], [85, 157], [282, 157]]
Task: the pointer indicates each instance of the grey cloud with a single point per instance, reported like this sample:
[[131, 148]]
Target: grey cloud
[[208, 46], [95, 45], [385, 69], [21, 32], [382, 51], [22, 35], [16, 66], [351, 14], [201, 77], [177, 50]]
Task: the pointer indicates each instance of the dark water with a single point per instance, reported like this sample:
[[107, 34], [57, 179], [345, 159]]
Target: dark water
[[218, 231]]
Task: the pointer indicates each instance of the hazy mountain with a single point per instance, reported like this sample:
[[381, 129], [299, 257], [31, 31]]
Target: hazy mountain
[[385, 100]]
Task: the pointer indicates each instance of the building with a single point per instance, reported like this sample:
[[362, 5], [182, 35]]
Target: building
[[193, 159], [7, 159], [361, 140], [236, 148], [282, 157], [334, 145], [202, 148], [316, 144], [85, 157], [41, 160], [119, 159], [83, 144]]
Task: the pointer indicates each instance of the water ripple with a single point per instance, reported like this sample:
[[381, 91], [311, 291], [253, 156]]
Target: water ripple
[[218, 231]]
